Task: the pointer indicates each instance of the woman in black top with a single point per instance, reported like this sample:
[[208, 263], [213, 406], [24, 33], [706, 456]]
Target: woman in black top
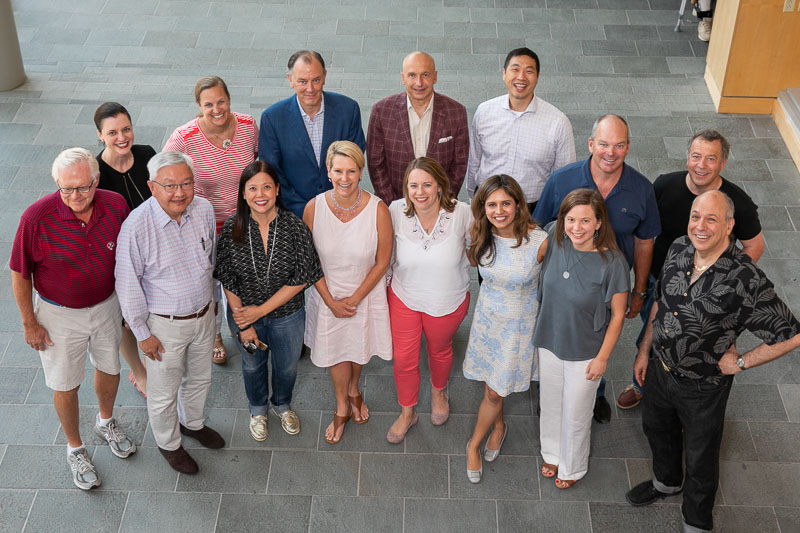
[[265, 258], [123, 165], [123, 169]]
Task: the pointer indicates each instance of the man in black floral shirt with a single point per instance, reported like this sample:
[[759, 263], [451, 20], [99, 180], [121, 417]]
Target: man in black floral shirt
[[708, 293]]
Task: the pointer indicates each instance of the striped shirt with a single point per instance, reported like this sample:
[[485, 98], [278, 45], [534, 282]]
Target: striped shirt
[[216, 170], [314, 127], [527, 145], [162, 267], [71, 262]]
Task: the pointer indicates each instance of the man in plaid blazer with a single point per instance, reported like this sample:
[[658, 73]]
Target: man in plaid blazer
[[416, 123]]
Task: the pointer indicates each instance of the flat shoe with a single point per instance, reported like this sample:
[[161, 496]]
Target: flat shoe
[[437, 419], [551, 468], [289, 421], [396, 438], [338, 421], [135, 385], [474, 476], [205, 436], [355, 407], [491, 455], [180, 460]]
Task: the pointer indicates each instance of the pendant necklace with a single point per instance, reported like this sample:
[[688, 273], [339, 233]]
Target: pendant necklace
[[271, 253], [226, 142], [569, 256]]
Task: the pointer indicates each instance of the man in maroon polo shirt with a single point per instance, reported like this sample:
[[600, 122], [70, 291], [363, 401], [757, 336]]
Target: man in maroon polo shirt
[[65, 248]]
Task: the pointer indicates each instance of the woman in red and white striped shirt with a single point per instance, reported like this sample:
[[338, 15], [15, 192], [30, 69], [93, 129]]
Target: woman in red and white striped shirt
[[221, 143]]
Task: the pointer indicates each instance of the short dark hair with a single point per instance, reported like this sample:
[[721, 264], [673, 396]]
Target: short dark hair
[[711, 136], [108, 110], [307, 56], [524, 51]]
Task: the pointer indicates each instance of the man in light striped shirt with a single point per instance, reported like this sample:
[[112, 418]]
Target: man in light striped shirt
[[519, 134], [165, 261]]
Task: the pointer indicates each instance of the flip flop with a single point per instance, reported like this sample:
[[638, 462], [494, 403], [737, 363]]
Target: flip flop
[[355, 406], [338, 421]]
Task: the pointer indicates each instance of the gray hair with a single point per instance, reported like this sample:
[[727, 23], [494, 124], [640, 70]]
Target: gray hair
[[604, 117], [729, 208], [711, 136], [166, 159], [308, 56], [74, 156]]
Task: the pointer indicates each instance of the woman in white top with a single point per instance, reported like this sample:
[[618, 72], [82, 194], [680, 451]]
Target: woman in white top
[[429, 291]]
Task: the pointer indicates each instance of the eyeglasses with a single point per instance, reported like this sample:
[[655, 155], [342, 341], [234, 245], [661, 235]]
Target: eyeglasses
[[173, 187], [66, 191]]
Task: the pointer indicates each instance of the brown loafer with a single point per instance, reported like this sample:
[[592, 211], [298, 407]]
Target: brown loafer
[[180, 460], [205, 436]]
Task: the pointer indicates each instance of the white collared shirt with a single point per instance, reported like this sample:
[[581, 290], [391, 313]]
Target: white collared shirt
[[420, 127], [527, 145], [314, 127]]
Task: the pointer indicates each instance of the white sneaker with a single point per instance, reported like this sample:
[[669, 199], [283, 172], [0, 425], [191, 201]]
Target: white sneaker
[[120, 444], [704, 29], [258, 427], [83, 473]]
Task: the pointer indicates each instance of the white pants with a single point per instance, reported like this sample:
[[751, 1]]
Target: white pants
[[566, 398], [177, 386]]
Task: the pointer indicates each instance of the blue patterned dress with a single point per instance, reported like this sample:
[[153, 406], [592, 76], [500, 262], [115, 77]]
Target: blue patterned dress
[[500, 351]]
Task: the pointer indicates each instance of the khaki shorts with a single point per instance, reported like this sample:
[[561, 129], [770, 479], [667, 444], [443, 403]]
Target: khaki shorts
[[97, 329]]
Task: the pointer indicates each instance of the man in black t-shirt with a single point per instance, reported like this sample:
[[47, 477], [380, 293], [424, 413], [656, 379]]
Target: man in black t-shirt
[[675, 192]]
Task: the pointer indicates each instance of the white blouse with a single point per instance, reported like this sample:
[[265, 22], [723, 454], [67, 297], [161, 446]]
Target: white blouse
[[430, 271]]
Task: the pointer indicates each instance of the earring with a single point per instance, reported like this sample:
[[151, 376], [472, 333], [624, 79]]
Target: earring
[[565, 235], [596, 233]]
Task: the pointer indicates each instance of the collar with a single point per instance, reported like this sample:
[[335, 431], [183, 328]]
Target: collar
[[317, 114], [65, 213], [532, 106], [161, 218], [622, 184], [427, 109]]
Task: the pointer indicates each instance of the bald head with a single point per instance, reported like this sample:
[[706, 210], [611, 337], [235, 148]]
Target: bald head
[[711, 223], [419, 77], [721, 202]]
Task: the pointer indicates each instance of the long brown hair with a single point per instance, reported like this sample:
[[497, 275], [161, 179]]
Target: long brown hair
[[426, 164], [481, 235], [605, 240]]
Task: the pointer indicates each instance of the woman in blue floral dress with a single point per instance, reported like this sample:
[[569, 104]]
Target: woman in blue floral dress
[[507, 248]]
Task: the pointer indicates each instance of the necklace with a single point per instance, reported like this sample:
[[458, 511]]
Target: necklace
[[569, 257], [347, 210], [226, 142], [271, 252], [135, 188], [702, 268]]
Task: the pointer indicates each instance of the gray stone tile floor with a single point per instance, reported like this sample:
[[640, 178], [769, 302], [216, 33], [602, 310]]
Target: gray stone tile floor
[[598, 56]]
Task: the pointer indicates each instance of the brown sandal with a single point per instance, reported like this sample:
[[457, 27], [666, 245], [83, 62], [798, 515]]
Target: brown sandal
[[338, 421], [564, 483], [355, 406], [553, 470]]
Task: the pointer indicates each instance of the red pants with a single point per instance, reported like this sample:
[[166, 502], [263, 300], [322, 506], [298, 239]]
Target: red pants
[[407, 329]]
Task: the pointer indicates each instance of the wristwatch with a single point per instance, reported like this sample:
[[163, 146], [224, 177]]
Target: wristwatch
[[642, 295], [740, 363]]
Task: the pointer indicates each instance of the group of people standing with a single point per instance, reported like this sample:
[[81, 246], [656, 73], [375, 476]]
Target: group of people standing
[[236, 220]]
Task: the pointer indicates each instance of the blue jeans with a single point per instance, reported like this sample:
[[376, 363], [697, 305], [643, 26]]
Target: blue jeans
[[285, 339], [683, 420]]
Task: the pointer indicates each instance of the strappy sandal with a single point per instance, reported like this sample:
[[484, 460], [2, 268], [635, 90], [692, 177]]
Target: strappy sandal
[[355, 407], [220, 356], [564, 483], [552, 470], [338, 421]]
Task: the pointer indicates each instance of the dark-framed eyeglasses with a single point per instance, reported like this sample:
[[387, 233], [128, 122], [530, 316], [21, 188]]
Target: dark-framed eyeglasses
[[66, 191], [172, 188]]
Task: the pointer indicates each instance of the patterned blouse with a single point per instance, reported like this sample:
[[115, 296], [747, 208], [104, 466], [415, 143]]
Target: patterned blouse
[[255, 275], [695, 324]]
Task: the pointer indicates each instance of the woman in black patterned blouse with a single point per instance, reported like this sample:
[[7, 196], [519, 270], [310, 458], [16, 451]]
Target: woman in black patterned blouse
[[265, 258]]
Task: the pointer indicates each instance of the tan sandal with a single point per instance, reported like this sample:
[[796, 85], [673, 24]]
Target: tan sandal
[[564, 483], [338, 421], [548, 470], [219, 356], [355, 407]]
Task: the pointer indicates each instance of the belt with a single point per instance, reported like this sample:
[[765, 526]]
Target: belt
[[48, 300], [198, 314]]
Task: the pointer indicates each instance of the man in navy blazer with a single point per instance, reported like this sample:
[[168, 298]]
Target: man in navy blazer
[[296, 132], [415, 123]]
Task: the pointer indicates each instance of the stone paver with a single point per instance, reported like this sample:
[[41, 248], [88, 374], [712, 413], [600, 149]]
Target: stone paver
[[597, 56]]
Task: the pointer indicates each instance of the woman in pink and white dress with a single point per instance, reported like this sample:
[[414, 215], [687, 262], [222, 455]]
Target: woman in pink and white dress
[[221, 144]]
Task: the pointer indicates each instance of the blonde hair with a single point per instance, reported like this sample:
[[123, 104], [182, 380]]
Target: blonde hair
[[346, 149]]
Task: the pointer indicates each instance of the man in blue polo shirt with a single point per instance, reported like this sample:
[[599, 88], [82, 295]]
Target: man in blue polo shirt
[[631, 205]]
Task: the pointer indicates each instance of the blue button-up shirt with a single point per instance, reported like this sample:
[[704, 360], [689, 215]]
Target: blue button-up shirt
[[631, 204], [162, 267]]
